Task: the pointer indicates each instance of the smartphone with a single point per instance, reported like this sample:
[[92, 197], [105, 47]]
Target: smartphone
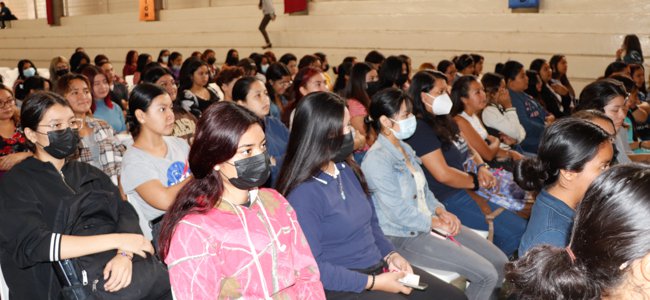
[[421, 286]]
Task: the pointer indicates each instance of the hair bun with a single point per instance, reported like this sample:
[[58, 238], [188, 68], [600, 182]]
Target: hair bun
[[530, 174], [547, 272]]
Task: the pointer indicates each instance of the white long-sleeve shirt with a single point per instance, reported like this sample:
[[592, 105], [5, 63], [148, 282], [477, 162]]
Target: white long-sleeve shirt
[[506, 122]]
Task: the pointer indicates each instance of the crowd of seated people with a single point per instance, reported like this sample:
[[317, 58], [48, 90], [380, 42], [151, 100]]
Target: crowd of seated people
[[269, 178]]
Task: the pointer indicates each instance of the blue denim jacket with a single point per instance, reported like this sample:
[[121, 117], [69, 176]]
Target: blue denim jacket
[[550, 223], [394, 191]]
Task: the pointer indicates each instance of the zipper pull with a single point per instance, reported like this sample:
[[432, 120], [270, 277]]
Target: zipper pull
[[84, 277]]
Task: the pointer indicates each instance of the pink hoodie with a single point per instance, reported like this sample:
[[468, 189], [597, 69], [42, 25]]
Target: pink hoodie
[[234, 251]]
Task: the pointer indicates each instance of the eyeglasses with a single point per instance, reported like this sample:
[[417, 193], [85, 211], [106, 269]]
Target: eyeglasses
[[286, 83], [9, 103], [74, 124]]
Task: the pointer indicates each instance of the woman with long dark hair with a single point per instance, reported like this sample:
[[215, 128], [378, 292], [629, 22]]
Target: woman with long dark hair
[[531, 114], [332, 201], [444, 153], [469, 99], [358, 103], [184, 122], [571, 154], [278, 81], [194, 94], [409, 214], [130, 63], [554, 95], [232, 58], [251, 93], [560, 66], [630, 51], [261, 249], [607, 254], [35, 194]]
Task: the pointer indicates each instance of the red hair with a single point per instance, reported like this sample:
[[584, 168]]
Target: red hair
[[300, 80]]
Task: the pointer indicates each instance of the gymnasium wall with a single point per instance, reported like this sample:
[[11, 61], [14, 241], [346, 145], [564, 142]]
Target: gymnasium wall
[[587, 31]]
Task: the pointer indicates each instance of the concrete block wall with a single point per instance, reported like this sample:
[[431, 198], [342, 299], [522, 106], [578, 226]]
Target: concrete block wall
[[587, 31]]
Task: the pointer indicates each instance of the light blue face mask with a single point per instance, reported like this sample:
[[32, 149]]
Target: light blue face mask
[[29, 72], [264, 68], [406, 128]]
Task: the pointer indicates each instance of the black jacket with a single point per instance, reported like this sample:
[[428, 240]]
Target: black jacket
[[30, 196]]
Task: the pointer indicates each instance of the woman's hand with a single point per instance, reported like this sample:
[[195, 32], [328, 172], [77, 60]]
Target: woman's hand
[[506, 139], [135, 243], [449, 221], [485, 178], [503, 98], [619, 53], [389, 282], [117, 273], [10, 160], [549, 119], [560, 89], [398, 263]]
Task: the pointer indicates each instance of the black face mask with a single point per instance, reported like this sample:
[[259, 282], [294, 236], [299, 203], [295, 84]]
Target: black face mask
[[401, 80], [346, 149], [62, 72], [211, 60], [252, 172], [63, 143]]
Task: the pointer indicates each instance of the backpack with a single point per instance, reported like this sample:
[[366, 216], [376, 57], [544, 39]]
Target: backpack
[[91, 213]]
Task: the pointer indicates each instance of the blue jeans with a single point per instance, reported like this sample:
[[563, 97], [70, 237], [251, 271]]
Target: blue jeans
[[508, 227]]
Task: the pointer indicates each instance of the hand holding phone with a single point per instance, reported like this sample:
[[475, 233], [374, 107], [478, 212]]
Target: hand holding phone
[[413, 281]]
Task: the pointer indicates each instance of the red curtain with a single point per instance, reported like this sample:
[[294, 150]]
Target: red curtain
[[292, 6]]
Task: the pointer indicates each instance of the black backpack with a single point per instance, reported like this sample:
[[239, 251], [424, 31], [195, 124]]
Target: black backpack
[[94, 212]]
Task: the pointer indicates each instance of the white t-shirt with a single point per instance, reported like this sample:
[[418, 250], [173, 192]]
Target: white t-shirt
[[139, 167]]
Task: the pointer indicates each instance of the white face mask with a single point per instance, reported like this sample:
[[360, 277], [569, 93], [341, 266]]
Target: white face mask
[[165, 59], [406, 128], [441, 104]]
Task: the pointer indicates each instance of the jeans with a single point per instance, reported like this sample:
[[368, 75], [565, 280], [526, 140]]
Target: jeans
[[508, 227], [265, 22], [437, 289], [477, 259]]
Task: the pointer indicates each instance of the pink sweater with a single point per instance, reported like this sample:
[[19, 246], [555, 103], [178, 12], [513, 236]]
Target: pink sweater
[[237, 252]]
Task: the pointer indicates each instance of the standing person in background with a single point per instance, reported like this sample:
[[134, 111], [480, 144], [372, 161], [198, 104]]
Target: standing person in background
[[269, 15]]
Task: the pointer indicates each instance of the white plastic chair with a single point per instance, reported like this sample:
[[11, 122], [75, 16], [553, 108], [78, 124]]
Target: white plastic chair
[[4, 289]]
